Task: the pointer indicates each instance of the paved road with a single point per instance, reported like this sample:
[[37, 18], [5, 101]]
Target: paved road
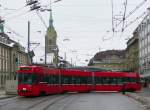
[[83, 101]]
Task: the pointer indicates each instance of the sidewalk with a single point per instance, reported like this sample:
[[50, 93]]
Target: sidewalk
[[3, 95], [143, 97]]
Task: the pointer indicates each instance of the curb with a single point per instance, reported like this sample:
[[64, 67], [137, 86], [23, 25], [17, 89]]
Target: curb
[[5, 97], [140, 99]]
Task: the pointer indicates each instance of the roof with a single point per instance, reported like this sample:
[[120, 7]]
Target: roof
[[109, 54]]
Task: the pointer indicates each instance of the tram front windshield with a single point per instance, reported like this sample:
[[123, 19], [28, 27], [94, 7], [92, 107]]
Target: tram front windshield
[[27, 78]]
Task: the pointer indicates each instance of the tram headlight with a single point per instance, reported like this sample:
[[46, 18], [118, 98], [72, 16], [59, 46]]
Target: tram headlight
[[24, 89]]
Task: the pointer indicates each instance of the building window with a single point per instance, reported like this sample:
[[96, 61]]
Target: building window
[[0, 51]]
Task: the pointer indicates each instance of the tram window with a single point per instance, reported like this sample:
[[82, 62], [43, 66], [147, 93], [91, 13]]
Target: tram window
[[74, 80], [55, 79], [106, 80], [98, 80], [89, 80], [109, 80], [25, 78], [78, 80], [86, 80], [41, 78], [46, 79], [50, 79], [114, 80], [65, 80], [70, 79], [120, 80], [83, 80], [126, 80], [133, 80], [34, 78]]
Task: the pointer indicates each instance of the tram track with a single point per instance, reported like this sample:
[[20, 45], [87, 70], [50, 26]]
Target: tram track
[[54, 99], [67, 99], [38, 103], [8, 101], [22, 103], [63, 104], [46, 104]]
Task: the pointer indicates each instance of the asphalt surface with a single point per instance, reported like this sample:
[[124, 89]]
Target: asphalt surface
[[74, 101]]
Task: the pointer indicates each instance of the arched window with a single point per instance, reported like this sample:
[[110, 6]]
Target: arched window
[[50, 41], [2, 79], [7, 77]]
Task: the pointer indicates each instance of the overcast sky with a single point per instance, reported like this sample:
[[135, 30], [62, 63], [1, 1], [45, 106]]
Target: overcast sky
[[86, 23]]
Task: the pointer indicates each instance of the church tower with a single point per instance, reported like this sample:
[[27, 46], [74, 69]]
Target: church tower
[[51, 49]]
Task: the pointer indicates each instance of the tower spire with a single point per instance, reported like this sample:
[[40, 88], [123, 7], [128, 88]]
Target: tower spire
[[51, 17]]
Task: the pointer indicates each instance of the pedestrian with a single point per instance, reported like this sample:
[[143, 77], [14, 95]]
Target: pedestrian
[[123, 88]]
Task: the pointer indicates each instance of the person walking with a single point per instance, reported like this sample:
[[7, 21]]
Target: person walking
[[124, 88]]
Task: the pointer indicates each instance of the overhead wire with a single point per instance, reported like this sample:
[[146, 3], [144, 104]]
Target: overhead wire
[[137, 18], [133, 11], [136, 8], [127, 16], [14, 11], [19, 35], [42, 20], [16, 16]]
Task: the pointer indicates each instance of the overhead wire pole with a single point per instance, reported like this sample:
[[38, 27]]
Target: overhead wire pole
[[30, 61], [112, 5], [28, 36]]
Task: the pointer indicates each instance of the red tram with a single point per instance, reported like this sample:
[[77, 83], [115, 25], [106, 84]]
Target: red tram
[[39, 80], [117, 81], [76, 80]]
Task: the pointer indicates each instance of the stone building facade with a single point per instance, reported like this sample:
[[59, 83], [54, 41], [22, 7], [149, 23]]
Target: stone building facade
[[132, 53], [12, 55], [144, 46]]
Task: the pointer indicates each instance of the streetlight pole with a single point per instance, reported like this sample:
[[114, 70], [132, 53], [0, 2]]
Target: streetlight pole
[[45, 50], [28, 37]]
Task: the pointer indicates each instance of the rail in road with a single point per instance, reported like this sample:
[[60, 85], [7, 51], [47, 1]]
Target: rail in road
[[82, 101], [34, 103]]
